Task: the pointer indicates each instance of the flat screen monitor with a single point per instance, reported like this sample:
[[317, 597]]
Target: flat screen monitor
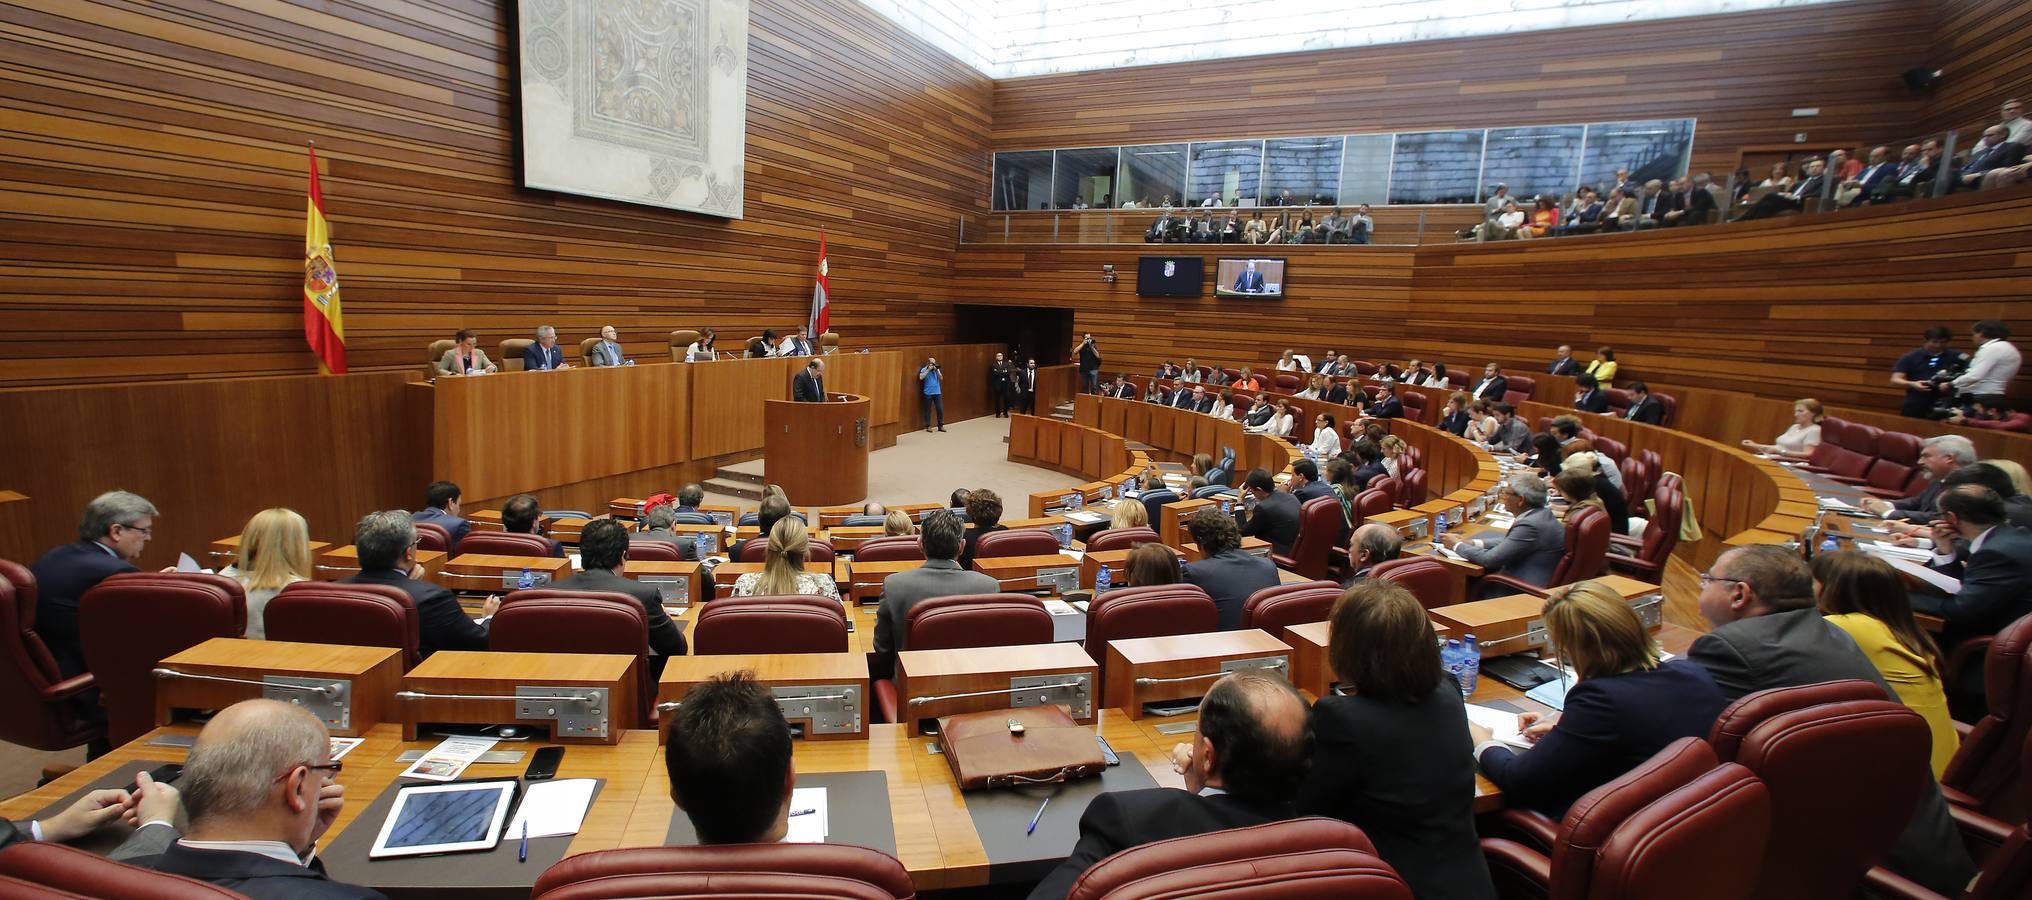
[[1170, 276], [1249, 278]]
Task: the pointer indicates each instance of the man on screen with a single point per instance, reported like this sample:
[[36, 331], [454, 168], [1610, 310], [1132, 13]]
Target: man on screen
[[1250, 281]]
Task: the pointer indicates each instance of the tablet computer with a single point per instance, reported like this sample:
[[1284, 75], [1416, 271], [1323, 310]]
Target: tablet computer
[[445, 818]]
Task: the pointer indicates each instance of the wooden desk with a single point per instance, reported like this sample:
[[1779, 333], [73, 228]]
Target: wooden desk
[[371, 676], [654, 571], [866, 582], [848, 670], [344, 562], [471, 571], [1020, 573], [1182, 666], [818, 452], [226, 551]]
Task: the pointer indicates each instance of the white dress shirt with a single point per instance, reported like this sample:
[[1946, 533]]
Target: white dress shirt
[[275, 850], [2018, 130], [1939, 558], [1222, 410], [1326, 442], [1990, 371]]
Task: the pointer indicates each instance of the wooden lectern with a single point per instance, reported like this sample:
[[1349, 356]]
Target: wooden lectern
[[818, 452]]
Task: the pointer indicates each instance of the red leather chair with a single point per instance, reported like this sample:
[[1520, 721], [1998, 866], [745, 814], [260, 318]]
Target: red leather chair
[[432, 536], [1638, 478], [1587, 545], [1287, 383], [1026, 542], [1371, 502], [545, 620], [38, 706], [1296, 859], [968, 620], [59, 871], [2007, 875], [503, 543], [1819, 747], [1681, 826], [757, 550], [129, 623], [1619, 401], [780, 624], [1413, 490], [903, 547], [1861, 443], [1414, 406], [358, 615], [1615, 450], [751, 871], [1458, 377], [1427, 579], [1985, 773], [1520, 388], [1414, 457], [1120, 539], [1896, 472], [1832, 456], [1661, 537], [1275, 609], [1139, 612], [1653, 461], [1319, 531], [1366, 369], [1388, 485], [655, 551]]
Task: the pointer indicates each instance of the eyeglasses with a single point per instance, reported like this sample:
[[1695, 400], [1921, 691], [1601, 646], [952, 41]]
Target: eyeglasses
[[332, 767], [146, 532], [1707, 578]]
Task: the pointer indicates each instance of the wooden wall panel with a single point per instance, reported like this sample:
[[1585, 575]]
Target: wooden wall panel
[[152, 188], [1740, 74], [1984, 56], [500, 434]]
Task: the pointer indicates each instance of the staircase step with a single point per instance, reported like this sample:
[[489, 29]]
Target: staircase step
[[742, 489], [729, 474]]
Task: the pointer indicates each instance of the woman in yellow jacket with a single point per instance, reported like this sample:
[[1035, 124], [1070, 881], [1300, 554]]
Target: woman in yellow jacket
[[1863, 596], [1603, 366]]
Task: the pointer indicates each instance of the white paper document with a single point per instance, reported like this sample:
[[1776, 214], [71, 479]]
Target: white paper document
[[1503, 726], [1059, 607], [184, 563], [1888, 550], [446, 761], [807, 827], [344, 745], [1946, 584], [553, 808]]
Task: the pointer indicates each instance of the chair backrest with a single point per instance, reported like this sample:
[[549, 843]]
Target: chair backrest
[[358, 615], [1120, 538], [829, 342], [773, 624], [1153, 611], [1637, 477], [511, 349], [1619, 399], [655, 551], [1414, 489], [1388, 485], [751, 871], [1897, 465], [505, 543], [1285, 381], [1587, 546], [757, 550], [1661, 536], [1680, 826], [435, 354], [1025, 542], [1519, 387], [432, 536], [1861, 443], [751, 517], [34, 711], [977, 620], [1371, 502], [73, 873], [586, 351], [1813, 746], [1295, 859], [546, 620], [1211, 490], [1669, 406], [693, 518], [1275, 609], [1153, 501], [1427, 579], [2008, 873], [1987, 764], [1414, 406], [129, 623], [1319, 531], [680, 341], [902, 547], [1615, 450], [1366, 369]]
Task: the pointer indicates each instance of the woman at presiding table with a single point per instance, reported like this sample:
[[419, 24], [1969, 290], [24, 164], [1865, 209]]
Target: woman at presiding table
[[1863, 596], [783, 569], [1393, 756], [1799, 440], [465, 357], [1625, 707]]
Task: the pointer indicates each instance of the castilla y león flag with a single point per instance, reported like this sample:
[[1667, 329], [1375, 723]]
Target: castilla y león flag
[[323, 326], [821, 304]]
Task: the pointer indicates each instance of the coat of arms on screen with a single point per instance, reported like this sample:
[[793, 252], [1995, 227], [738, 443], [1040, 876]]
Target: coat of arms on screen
[[1170, 268], [320, 277]]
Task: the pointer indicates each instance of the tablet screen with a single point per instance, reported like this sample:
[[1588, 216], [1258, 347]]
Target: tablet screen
[[445, 818]]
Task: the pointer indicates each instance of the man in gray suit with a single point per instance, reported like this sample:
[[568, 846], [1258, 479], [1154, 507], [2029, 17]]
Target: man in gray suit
[[1768, 634], [1511, 432], [1530, 551], [943, 536], [1226, 573], [603, 548], [656, 524], [607, 353], [151, 808]]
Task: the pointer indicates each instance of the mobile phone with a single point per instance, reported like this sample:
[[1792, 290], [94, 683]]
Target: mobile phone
[[1107, 752], [164, 774], [543, 764]]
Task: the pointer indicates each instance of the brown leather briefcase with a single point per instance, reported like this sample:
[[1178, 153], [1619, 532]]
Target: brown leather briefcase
[[1013, 747]]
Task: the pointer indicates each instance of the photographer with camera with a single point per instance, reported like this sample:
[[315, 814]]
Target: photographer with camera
[[1926, 372], [928, 378]]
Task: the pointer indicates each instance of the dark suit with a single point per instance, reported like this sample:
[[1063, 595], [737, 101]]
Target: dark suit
[[1568, 366], [1919, 508], [807, 388], [1311, 490], [998, 386], [441, 624], [1205, 404], [535, 357], [1611, 724], [1275, 519], [1259, 414], [1026, 390], [1798, 647], [1229, 578], [257, 876], [1594, 401], [1996, 586], [1182, 399], [1874, 180], [143, 842], [1696, 207], [1530, 552], [664, 636], [1405, 775], [1454, 423], [1995, 156], [1491, 389], [62, 576], [1648, 411], [1249, 281], [1336, 394], [452, 524], [687, 546], [1118, 821], [1386, 407]]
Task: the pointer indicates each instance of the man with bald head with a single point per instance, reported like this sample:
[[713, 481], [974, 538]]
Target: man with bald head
[[260, 788], [1243, 767], [1372, 543]]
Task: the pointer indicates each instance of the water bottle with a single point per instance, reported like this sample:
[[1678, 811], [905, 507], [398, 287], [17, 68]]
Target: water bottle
[[1102, 581], [1450, 657], [1471, 666], [527, 581], [1079, 501], [1830, 545], [1064, 536], [708, 543]]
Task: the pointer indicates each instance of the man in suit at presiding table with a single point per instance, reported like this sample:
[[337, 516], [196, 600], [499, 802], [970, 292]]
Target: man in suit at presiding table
[[260, 787], [116, 527], [1769, 634], [603, 549], [809, 385], [1531, 549], [544, 355], [607, 353], [386, 544], [1243, 767]]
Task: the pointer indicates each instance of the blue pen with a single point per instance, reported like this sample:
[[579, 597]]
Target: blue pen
[[1040, 815], [523, 855]]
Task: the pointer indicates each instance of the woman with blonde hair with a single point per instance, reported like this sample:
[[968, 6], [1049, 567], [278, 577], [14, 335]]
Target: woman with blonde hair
[[1799, 440], [2019, 478], [1130, 514], [1625, 707], [274, 554], [1393, 454], [896, 523], [783, 570], [1863, 596]]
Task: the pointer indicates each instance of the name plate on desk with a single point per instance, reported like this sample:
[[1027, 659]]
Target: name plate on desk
[[1176, 667], [350, 689], [935, 683], [823, 695], [580, 698]]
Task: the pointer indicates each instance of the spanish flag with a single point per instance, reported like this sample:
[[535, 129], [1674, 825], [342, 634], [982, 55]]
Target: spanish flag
[[323, 326]]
